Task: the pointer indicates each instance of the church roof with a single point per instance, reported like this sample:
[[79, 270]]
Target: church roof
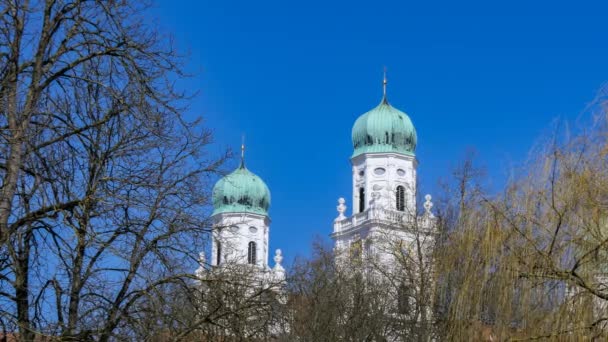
[[241, 191], [384, 129]]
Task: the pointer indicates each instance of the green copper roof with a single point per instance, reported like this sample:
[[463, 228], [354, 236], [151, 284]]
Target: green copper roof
[[384, 129], [241, 192]]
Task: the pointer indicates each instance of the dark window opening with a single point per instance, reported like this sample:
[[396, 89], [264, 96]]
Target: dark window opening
[[218, 255], [361, 199], [400, 198], [403, 299], [251, 253]]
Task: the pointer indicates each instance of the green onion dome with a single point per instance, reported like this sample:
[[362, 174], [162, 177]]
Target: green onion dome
[[384, 129], [241, 192]]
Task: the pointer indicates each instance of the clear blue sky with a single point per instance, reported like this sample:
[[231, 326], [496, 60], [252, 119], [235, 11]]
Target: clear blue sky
[[294, 75]]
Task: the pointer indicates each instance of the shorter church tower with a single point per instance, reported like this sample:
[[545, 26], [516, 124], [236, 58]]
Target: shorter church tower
[[241, 225], [238, 271]]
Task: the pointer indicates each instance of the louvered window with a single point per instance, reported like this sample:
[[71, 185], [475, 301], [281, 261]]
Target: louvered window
[[400, 194], [218, 254], [361, 199], [251, 253]]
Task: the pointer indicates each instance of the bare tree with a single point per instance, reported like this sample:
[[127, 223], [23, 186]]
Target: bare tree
[[379, 287], [102, 183], [411, 278], [233, 302], [331, 302]]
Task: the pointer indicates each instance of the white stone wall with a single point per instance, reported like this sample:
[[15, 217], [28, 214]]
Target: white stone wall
[[235, 231], [380, 174], [383, 240], [381, 227]]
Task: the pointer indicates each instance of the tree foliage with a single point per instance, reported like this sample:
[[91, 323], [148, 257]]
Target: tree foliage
[[531, 262]]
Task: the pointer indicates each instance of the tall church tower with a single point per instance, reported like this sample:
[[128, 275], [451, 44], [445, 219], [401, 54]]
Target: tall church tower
[[384, 187]]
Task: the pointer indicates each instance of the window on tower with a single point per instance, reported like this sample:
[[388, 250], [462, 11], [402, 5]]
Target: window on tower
[[218, 253], [251, 253], [404, 294], [379, 171], [400, 194], [361, 199]]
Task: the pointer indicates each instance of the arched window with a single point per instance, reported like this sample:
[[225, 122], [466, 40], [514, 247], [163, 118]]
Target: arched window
[[218, 253], [361, 199], [404, 293], [400, 194], [251, 253]]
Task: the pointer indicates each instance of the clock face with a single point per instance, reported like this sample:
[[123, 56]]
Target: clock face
[[401, 172], [379, 171], [253, 230]]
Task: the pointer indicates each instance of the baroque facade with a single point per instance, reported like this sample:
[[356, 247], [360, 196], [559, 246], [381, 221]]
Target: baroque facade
[[385, 224], [239, 260], [241, 225], [385, 218]]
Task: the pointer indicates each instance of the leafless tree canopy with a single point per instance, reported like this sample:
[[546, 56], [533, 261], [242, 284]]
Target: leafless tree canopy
[[103, 188]]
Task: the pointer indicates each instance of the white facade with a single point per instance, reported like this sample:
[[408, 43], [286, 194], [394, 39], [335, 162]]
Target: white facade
[[384, 209], [385, 223], [239, 255], [377, 176], [242, 239], [241, 227], [385, 234]]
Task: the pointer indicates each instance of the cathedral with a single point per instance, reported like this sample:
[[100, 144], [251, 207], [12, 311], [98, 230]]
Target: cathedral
[[385, 243], [384, 193]]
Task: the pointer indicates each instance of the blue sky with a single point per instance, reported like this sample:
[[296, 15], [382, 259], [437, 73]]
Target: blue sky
[[294, 75]]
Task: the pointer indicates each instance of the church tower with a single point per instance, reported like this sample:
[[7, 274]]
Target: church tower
[[238, 269], [241, 224], [383, 187], [383, 161]]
